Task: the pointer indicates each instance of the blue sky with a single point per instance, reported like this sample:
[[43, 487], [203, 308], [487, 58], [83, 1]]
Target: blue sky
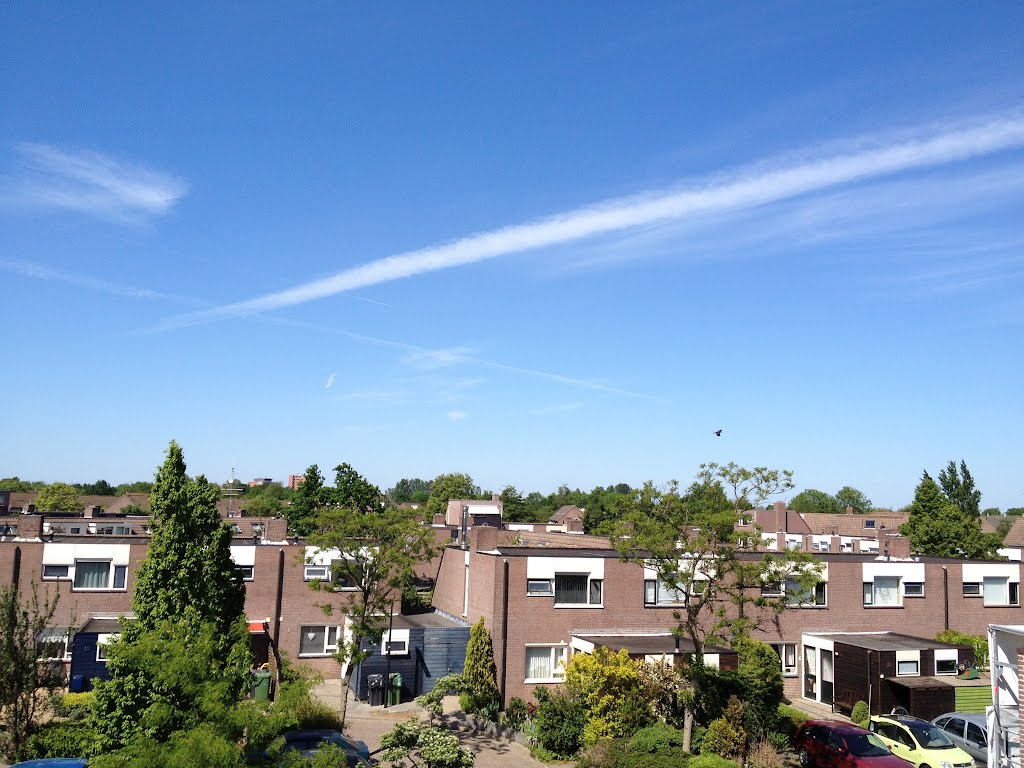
[[538, 243]]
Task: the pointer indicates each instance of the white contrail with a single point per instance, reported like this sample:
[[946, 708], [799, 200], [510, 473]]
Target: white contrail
[[743, 190]]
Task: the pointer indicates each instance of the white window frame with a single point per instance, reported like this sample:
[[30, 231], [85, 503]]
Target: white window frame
[[329, 648], [870, 599], [310, 572], [112, 573], [590, 582], [557, 661], [972, 589], [912, 588], [248, 572], [1007, 596], [540, 588], [60, 576], [102, 641], [793, 599], [902, 672], [788, 669], [664, 595]]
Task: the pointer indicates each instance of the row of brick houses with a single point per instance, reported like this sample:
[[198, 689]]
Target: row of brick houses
[[546, 592]]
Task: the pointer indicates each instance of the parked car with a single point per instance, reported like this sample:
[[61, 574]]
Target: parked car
[[919, 742], [53, 762], [309, 743], [969, 731], [834, 744]]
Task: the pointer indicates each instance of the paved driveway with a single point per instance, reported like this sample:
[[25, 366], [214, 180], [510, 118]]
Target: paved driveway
[[368, 723]]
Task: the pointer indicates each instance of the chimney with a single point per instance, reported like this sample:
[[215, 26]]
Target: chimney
[[30, 527], [276, 529], [849, 510], [496, 498]]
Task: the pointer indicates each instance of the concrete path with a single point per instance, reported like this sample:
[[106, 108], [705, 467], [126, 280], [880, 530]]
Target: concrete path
[[369, 723]]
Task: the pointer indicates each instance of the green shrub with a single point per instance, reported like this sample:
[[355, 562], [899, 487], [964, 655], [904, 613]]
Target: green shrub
[[313, 713], [74, 706], [790, 719], [654, 739], [710, 761], [723, 739], [675, 758], [607, 753], [860, 713], [559, 723], [480, 672], [56, 739], [515, 713]]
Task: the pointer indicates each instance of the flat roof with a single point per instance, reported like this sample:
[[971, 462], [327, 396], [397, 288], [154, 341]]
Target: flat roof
[[431, 619], [882, 641]]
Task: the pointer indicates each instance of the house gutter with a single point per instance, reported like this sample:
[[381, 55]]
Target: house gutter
[[278, 597], [504, 634], [945, 595]]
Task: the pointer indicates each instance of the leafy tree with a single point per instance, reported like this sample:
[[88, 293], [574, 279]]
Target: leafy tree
[[937, 526], [1015, 511], [185, 658], [99, 488], [308, 499], [959, 488], [140, 486], [1003, 527], [17, 485], [263, 505], [22, 673], [409, 490], [513, 505], [375, 556], [58, 497], [977, 643], [760, 679], [851, 497], [353, 491], [692, 544], [812, 501], [444, 488], [480, 671], [433, 746]]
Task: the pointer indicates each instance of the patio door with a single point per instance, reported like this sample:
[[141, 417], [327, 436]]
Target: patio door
[[810, 672], [827, 677]]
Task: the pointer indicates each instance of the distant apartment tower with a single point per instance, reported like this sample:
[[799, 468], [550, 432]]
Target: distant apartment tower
[[294, 481]]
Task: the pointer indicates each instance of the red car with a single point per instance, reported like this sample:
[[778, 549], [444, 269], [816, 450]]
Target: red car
[[832, 744]]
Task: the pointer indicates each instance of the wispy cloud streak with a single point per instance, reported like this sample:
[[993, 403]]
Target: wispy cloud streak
[[745, 189], [41, 272], [92, 183]]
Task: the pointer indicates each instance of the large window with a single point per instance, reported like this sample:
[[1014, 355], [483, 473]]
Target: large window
[[805, 597], [999, 590], [578, 589], [797, 595], [883, 591], [657, 592], [99, 574], [545, 663], [318, 640]]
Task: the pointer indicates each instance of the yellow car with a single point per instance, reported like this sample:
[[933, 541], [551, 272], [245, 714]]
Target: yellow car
[[919, 742]]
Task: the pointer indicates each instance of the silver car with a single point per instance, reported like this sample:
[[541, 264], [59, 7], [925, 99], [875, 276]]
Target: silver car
[[969, 731]]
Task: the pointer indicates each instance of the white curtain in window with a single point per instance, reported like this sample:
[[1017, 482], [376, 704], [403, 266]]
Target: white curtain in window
[[312, 640], [887, 590], [91, 575], [995, 591], [538, 663]]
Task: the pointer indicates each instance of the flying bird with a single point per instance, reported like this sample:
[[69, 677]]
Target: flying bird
[[718, 433]]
